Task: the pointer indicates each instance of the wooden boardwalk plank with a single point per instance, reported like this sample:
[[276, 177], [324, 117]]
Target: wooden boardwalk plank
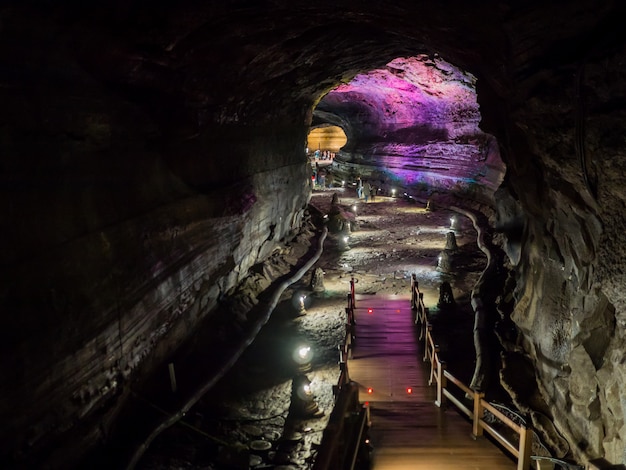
[[408, 430]]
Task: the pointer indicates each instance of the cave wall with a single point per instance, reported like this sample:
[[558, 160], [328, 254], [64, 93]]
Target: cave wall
[[566, 167], [121, 233], [153, 152]]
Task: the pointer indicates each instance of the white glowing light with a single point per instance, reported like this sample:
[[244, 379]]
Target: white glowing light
[[303, 352], [307, 389], [302, 355], [353, 208], [393, 192], [345, 239]]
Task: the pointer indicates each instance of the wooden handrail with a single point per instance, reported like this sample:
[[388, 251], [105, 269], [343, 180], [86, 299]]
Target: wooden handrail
[[352, 292], [441, 377], [330, 445], [363, 423], [502, 417], [459, 404], [333, 448]]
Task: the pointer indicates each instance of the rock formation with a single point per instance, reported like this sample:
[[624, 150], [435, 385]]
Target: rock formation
[[153, 154]]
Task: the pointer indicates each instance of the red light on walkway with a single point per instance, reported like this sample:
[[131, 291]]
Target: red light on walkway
[[398, 311], [409, 390], [370, 390], [370, 310]]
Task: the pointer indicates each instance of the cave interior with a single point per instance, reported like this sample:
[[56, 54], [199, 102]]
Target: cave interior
[[154, 156]]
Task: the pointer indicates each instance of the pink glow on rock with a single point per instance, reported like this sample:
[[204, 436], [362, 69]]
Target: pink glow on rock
[[417, 121], [415, 91]]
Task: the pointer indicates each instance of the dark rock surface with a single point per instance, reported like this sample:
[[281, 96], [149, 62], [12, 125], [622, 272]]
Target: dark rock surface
[[153, 154]]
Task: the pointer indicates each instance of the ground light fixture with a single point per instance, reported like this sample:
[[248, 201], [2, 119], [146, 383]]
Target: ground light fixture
[[444, 262], [300, 300], [393, 193], [453, 223], [302, 356], [302, 400], [344, 242]]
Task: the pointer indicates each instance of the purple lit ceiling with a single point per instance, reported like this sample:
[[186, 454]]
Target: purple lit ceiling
[[415, 122]]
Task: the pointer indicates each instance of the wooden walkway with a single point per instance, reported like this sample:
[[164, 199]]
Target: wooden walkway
[[408, 431]]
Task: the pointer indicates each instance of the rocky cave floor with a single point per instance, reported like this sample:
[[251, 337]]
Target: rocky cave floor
[[245, 420]]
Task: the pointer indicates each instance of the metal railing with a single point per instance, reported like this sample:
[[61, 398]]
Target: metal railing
[[442, 378], [548, 463]]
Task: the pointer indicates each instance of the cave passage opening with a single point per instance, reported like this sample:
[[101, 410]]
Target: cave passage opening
[[327, 137], [413, 125]]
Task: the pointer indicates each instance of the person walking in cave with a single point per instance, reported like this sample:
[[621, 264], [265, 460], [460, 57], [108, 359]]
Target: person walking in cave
[[373, 192], [322, 177], [366, 190], [359, 187]]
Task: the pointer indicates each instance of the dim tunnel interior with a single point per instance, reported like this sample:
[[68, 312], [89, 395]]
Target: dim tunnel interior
[[154, 176]]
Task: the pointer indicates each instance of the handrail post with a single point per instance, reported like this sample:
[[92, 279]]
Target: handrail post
[[352, 293], [422, 314], [434, 364], [342, 355], [344, 377], [525, 448], [348, 342], [414, 286], [429, 328], [479, 414], [441, 384], [350, 315]]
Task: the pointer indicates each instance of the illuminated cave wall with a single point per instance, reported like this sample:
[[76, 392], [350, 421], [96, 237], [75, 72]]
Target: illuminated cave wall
[[414, 124], [330, 138]]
